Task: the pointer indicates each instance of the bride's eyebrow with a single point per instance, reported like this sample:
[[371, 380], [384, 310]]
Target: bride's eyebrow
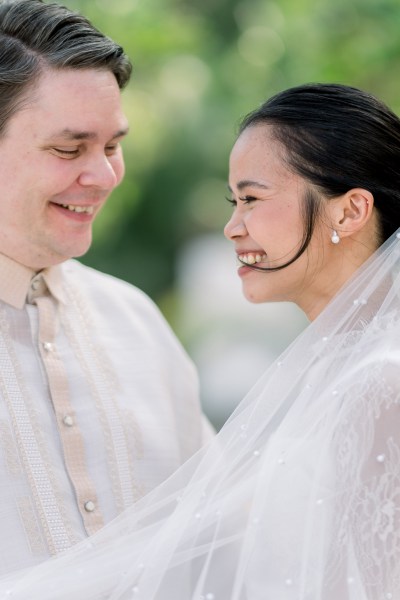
[[249, 183]]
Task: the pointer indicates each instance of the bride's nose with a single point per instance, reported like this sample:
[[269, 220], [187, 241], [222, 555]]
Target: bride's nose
[[235, 227]]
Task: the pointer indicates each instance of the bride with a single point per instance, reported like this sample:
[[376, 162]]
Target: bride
[[298, 497]]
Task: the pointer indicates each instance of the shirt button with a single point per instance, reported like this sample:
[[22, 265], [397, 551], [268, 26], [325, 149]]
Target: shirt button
[[68, 420], [48, 346], [89, 506]]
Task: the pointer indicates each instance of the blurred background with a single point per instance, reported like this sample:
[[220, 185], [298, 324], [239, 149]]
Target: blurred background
[[199, 67]]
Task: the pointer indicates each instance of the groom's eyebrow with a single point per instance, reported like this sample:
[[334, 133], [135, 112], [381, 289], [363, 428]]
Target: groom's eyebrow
[[72, 134]]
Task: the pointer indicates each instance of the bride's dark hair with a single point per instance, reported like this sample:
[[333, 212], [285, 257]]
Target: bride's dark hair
[[337, 138]]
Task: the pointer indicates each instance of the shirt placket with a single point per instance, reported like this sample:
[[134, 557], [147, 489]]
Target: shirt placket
[[70, 434]]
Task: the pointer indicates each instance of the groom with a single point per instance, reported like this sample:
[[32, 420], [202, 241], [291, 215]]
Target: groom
[[98, 401]]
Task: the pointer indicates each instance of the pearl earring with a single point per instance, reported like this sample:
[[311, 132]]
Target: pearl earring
[[335, 238]]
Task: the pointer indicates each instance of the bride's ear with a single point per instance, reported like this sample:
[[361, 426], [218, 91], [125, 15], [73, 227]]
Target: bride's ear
[[351, 212]]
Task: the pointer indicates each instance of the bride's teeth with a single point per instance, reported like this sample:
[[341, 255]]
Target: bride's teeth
[[251, 259]]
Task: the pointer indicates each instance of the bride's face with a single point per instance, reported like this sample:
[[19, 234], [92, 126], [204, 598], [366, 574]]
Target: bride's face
[[267, 224]]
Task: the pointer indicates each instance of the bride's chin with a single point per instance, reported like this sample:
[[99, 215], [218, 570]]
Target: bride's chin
[[255, 296]]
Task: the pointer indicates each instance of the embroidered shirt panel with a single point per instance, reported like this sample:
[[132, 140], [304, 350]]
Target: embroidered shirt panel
[[92, 412]]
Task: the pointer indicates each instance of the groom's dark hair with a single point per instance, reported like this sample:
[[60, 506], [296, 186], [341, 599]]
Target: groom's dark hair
[[35, 36]]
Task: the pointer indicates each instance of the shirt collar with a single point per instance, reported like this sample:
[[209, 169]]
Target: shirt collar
[[18, 284]]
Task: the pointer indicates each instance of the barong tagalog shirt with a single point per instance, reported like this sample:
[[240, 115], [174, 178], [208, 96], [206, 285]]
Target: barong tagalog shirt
[[98, 405]]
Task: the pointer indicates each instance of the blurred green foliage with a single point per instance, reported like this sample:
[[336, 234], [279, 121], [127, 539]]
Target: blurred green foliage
[[199, 66]]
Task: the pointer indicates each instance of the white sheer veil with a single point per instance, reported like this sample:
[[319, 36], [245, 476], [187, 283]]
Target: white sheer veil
[[297, 497]]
